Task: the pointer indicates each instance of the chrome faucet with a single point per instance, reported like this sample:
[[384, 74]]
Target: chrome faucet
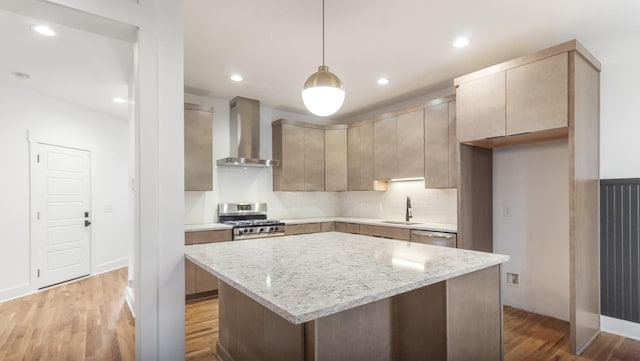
[[409, 213]]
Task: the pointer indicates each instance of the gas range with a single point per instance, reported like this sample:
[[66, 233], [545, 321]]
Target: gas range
[[249, 220]]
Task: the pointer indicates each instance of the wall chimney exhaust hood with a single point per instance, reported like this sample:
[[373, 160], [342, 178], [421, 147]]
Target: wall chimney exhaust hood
[[245, 135]]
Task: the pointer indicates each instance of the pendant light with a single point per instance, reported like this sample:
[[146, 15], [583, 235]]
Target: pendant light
[[323, 93]]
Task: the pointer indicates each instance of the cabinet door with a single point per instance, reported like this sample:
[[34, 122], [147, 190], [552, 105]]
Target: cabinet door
[[205, 281], [293, 229], [293, 158], [410, 145], [328, 227], [198, 150], [189, 277], [436, 157], [384, 148], [537, 95], [353, 154], [453, 147], [207, 236], [481, 108], [366, 157], [335, 160], [313, 159]]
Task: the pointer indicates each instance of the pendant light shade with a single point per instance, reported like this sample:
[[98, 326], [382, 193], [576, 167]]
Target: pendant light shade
[[323, 93]]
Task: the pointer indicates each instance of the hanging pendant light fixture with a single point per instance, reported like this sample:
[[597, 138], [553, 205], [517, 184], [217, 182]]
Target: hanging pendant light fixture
[[323, 93]]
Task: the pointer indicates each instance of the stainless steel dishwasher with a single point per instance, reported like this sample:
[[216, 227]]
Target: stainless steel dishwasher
[[434, 238]]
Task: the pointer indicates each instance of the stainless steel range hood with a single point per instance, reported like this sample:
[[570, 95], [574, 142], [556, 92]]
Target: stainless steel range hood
[[245, 135]]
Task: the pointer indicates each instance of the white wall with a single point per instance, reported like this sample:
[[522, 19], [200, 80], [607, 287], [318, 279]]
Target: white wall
[[428, 205], [532, 182], [62, 123], [619, 94]]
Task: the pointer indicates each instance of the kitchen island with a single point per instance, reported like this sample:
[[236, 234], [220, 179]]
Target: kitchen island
[[335, 296]]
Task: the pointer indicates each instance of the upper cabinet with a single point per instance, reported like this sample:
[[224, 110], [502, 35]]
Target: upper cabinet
[[410, 145], [518, 100], [198, 148], [289, 149], [398, 150], [335, 159], [312, 157], [360, 158], [384, 148], [537, 95], [440, 152], [481, 108]]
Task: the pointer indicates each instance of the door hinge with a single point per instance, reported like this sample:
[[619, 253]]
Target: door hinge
[[38, 273], [38, 158], [38, 215]]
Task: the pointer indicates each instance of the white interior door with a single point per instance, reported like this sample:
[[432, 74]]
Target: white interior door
[[62, 199]]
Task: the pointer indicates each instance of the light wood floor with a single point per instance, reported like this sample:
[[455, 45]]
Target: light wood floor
[[86, 319], [528, 336], [89, 320]]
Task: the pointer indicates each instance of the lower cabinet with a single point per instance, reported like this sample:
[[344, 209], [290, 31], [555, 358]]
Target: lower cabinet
[[293, 229], [403, 234], [199, 282]]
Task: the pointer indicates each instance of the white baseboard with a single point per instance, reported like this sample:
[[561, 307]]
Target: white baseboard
[[26, 289], [620, 327], [130, 300], [17, 292], [110, 266]]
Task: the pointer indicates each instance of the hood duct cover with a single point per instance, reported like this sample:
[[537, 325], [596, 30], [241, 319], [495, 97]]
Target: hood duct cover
[[245, 135]]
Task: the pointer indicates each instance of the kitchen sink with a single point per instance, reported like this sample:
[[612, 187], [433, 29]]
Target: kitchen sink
[[400, 222]]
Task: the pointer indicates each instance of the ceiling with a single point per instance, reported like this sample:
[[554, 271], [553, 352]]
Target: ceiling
[[275, 45], [75, 66]]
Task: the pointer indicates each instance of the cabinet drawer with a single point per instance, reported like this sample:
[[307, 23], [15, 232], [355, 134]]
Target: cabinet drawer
[[207, 236], [341, 227], [302, 228], [385, 232], [353, 228], [328, 227]]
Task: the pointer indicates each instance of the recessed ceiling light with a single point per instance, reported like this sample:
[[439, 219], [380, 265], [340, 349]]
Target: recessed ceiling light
[[44, 30], [383, 81], [236, 77], [461, 42], [119, 100]]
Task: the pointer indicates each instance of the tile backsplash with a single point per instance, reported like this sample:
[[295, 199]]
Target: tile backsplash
[[428, 205]]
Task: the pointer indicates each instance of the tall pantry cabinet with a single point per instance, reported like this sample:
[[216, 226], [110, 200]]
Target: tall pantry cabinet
[[552, 94]]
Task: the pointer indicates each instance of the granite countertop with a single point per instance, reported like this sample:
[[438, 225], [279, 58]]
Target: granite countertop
[[305, 277], [205, 227], [425, 226]]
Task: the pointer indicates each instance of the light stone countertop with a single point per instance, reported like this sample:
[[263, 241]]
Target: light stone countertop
[[205, 227], [306, 277], [424, 226]]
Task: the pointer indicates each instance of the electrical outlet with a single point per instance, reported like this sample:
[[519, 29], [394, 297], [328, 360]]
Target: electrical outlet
[[513, 279], [506, 210]]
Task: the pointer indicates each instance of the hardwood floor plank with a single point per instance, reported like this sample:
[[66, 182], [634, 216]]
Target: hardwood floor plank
[[86, 319]]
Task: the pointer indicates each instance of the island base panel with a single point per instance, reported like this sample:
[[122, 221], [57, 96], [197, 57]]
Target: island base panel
[[444, 321]]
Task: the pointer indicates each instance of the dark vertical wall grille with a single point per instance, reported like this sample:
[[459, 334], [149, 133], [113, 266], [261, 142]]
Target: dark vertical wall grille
[[620, 248]]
